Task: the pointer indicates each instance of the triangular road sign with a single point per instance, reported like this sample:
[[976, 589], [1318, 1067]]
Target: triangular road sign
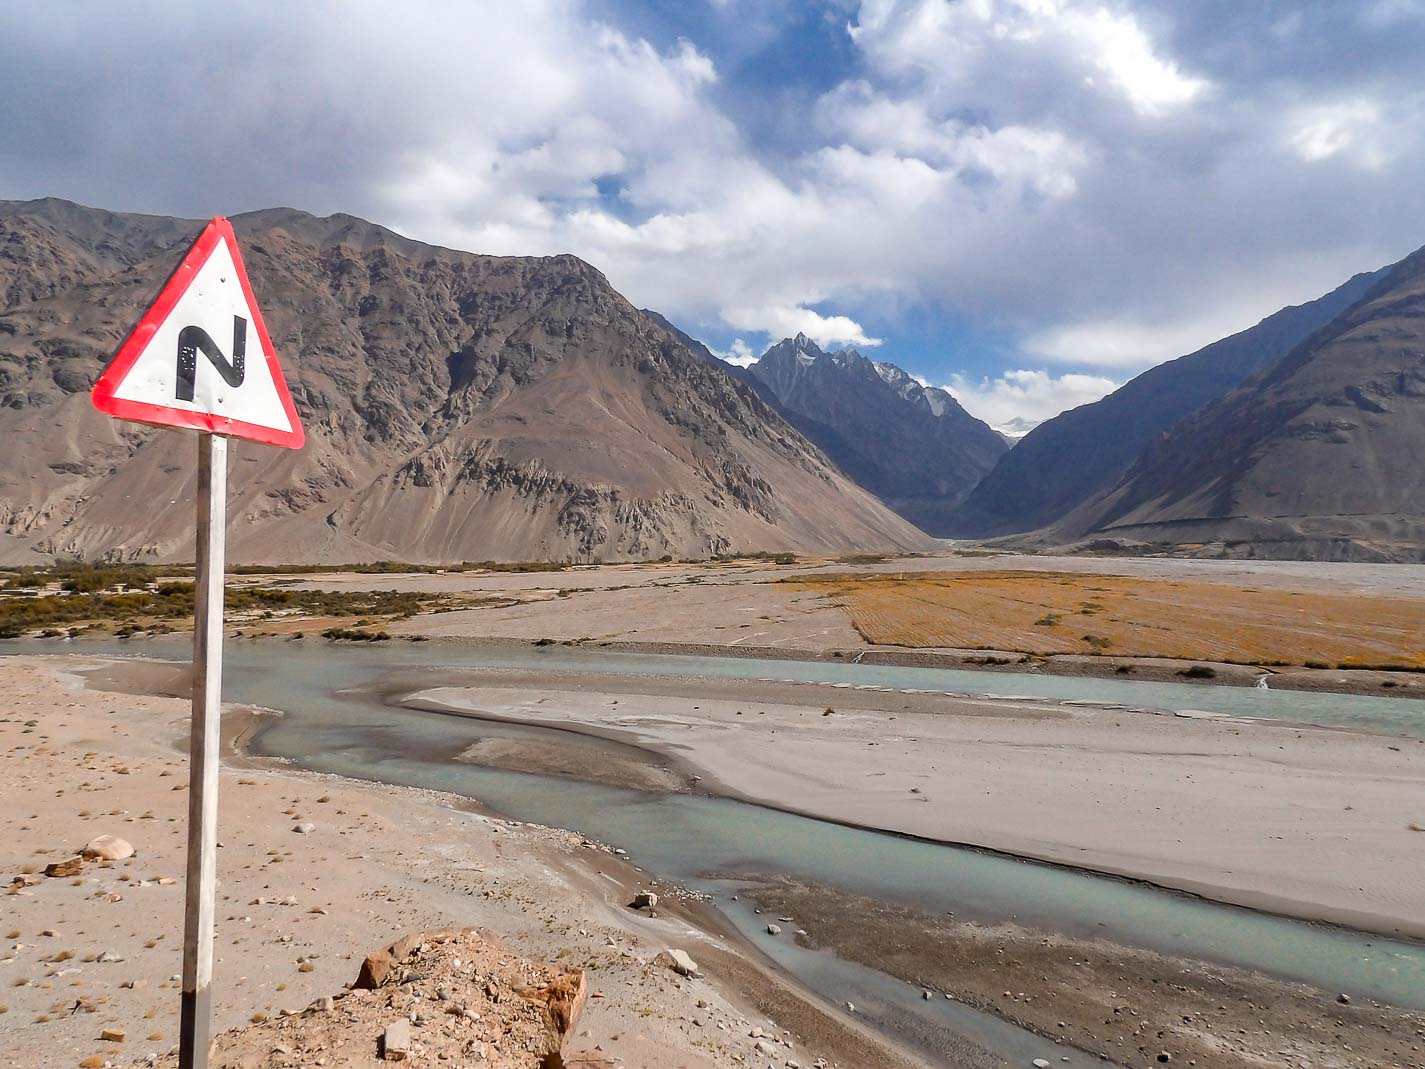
[[200, 358]]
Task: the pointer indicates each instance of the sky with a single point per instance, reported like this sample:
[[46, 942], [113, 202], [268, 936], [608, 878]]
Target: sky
[[1025, 201]]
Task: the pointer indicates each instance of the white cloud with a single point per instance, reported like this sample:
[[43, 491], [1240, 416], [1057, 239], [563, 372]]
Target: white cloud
[[738, 353], [959, 44], [1357, 128], [1111, 183], [1014, 156], [1116, 343], [1232, 302], [1019, 400], [782, 321]]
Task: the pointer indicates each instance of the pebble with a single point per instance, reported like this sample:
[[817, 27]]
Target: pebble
[[773, 929], [305, 828]]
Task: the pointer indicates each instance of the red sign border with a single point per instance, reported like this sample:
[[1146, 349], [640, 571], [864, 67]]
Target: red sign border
[[102, 396]]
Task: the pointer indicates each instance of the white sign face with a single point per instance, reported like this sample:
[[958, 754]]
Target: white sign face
[[201, 357]]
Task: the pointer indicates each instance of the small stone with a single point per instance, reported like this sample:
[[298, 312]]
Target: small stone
[[644, 900], [69, 867], [774, 929], [926, 995], [109, 957], [1343, 999], [108, 848], [396, 1043], [306, 828], [112, 1035], [1040, 1063]]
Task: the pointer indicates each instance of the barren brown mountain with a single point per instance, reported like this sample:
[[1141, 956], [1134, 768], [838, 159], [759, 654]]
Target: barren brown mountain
[[1316, 457], [457, 406], [1079, 454]]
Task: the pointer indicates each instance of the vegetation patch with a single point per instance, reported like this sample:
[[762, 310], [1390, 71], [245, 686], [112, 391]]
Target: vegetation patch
[[1043, 613], [355, 634], [70, 599]]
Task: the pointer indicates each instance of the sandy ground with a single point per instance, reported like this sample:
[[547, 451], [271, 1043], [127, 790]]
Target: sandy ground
[[1304, 821], [1126, 1005], [298, 912]]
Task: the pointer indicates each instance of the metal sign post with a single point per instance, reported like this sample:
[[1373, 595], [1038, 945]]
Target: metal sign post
[[204, 754], [156, 377]]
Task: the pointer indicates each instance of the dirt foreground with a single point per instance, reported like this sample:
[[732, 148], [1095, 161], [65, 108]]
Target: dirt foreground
[[97, 953]]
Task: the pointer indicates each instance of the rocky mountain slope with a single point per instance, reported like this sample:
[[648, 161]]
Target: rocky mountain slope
[[457, 407], [1316, 457], [1065, 461], [914, 447]]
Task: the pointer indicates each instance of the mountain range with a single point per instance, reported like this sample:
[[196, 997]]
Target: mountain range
[[913, 446], [1067, 460], [469, 407], [457, 407], [1317, 456]]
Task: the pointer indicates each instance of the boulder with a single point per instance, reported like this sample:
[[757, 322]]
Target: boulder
[[108, 848], [679, 962]]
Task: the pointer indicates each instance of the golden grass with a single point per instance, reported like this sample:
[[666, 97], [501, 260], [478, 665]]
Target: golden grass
[[1055, 612]]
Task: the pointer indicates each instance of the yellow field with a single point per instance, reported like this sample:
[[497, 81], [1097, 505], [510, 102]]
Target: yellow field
[[1054, 612]]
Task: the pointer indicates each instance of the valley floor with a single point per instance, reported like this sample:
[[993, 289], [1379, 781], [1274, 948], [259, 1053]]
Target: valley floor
[[1304, 625], [1295, 819], [1310, 821]]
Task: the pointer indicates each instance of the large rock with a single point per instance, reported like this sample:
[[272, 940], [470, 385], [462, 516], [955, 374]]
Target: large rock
[[679, 962], [564, 1000], [108, 848]]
